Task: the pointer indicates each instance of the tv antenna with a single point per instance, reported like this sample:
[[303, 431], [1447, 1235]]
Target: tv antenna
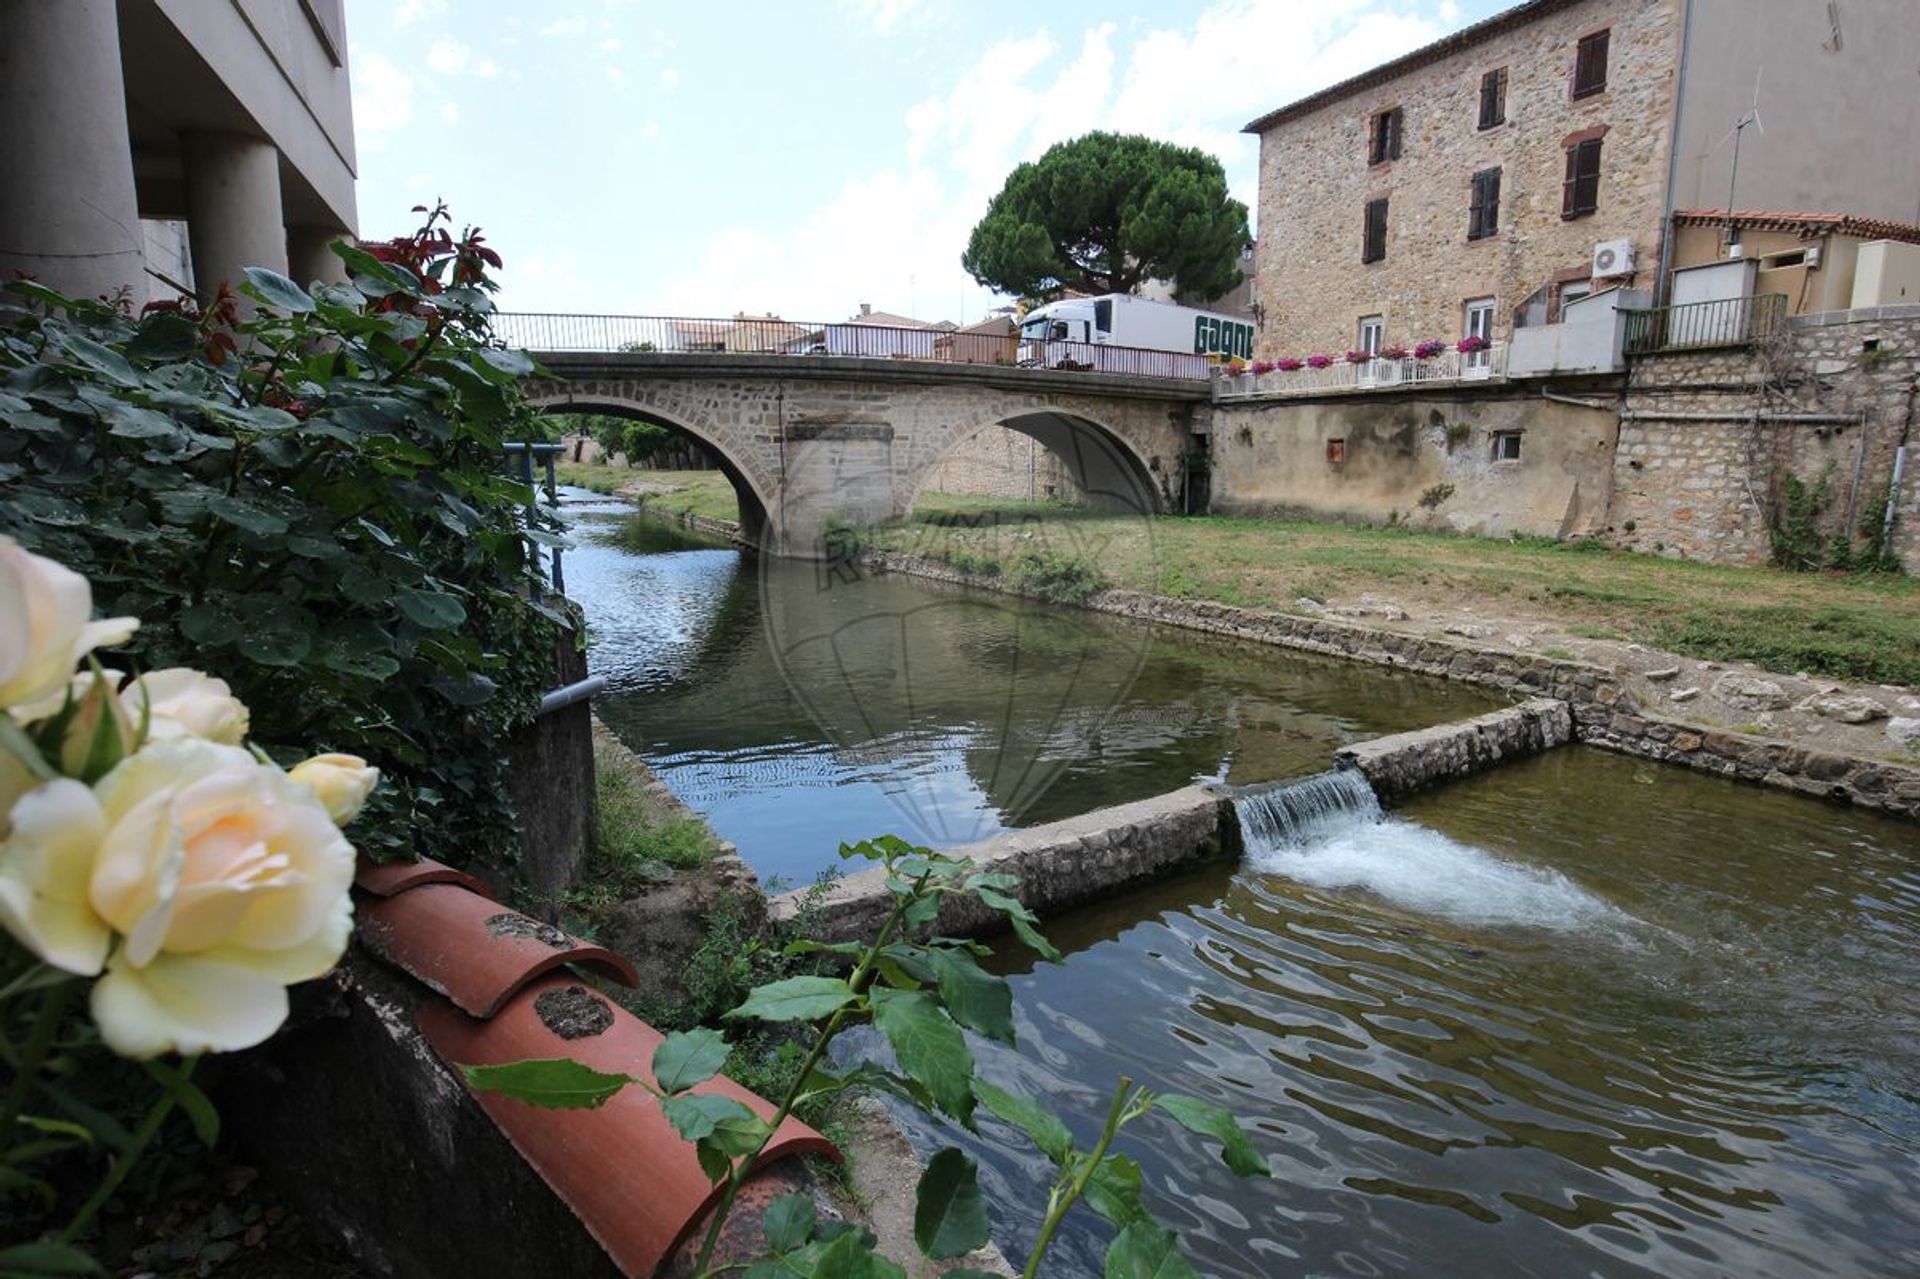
[[1751, 117]]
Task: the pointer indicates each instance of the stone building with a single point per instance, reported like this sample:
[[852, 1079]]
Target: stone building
[[1538, 156], [231, 117]]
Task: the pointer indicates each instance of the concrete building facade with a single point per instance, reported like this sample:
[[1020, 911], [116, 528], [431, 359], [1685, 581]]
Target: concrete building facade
[[1536, 157], [230, 116]]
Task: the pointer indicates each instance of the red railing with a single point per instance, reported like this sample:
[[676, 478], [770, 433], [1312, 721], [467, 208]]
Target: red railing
[[676, 335]]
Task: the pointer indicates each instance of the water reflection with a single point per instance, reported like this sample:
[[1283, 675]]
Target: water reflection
[[1707, 1070], [943, 715]]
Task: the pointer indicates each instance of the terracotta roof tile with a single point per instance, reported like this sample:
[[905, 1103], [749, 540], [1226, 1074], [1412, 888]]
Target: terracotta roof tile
[[633, 1182], [388, 878], [472, 949], [1805, 223]]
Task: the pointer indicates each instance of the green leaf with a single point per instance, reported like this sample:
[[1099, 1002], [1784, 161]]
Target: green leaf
[[1046, 1131], [1113, 1191], [788, 1222], [101, 359], [276, 289], [696, 1115], [513, 364], [15, 1182], [930, 1047], [197, 1105], [432, 609], [58, 1128], [851, 1256], [1209, 1120], [47, 1258], [1022, 920], [950, 1213], [739, 1135], [974, 997], [1146, 1251], [796, 999], [245, 515], [688, 1057], [555, 1083]]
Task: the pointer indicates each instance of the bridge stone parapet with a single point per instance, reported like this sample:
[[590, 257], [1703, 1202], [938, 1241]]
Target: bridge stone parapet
[[810, 440]]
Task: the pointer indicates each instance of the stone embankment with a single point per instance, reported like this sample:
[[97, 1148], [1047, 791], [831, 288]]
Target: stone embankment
[[1059, 864], [1406, 762]]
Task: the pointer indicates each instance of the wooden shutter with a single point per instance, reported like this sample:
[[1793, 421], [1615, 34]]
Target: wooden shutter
[[1374, 247], [1383, 137], [1590, 65], [1483, 216], [1493, 98], [1581, 192], [1393, 134]]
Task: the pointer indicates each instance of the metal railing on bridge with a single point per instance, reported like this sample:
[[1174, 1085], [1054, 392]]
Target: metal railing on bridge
[[752, 335], [1696, 325]]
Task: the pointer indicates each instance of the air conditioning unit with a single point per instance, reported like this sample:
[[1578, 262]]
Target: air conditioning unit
[[1613, 257], [1813, 256]]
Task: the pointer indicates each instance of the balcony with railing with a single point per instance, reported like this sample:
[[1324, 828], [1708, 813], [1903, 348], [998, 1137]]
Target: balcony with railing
[[1697, 326], [1343, 376]]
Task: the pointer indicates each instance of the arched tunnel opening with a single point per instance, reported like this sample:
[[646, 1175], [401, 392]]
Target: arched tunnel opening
[[651, 442], [1046, 456]]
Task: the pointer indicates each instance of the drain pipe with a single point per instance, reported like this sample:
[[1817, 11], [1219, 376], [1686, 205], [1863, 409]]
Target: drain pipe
[[579, 691], [1679, 415], [1548, 393]]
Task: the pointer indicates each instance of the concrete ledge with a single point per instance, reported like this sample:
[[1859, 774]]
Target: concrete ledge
[[1849, 779], [1406, 762], [1059, 864]]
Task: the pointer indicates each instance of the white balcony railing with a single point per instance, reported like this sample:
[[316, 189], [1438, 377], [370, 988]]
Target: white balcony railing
[[1370, 375]]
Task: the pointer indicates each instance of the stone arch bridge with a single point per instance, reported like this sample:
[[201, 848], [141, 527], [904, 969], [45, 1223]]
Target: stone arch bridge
[[809, 439]]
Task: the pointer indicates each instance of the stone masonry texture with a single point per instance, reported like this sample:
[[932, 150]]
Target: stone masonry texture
[[1315, 182]]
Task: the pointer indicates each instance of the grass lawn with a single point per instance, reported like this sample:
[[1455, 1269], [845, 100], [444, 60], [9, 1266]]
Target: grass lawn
[[707, 493], [1864, 627]]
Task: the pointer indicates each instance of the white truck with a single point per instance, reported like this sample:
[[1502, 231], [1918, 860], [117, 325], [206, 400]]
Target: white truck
[[1120, 333]]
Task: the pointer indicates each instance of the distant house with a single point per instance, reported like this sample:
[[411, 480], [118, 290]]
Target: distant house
[[1496, 176], [994, 340], [1816, 261]]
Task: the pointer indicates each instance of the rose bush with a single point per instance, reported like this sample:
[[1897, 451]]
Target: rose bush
[[144, 848]]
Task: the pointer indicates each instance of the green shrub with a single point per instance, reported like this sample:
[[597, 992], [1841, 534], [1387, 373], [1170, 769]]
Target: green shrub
[[324, 519], [1055, 578]]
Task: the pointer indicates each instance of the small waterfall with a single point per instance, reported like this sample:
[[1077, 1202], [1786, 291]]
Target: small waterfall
[[1291, 813]]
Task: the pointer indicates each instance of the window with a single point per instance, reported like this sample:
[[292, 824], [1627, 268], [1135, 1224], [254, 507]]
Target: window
[[1103, 315], [1590, 65], [1483, 214], [1506, 446], [1493, 98], [1375, 246], [1383, 137], [1372, 331], [1336, 450], [1572, 292], [1478, 316], [1581, 193]]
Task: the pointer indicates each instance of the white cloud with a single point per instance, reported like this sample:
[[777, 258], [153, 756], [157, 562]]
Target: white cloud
[[881, 15], [616, 77], [382, 98], [450, 112], [565, 27], [450, 57], [609, 45], [408, 12], [669, 79]]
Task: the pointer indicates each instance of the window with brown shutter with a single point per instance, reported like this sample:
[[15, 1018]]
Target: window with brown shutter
[[1383, 137], [1581, 193], [1590, 65], [1493, 98], [1375, 246], [1483, 214]]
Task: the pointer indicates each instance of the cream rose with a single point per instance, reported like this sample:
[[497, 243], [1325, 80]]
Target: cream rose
[[186, 703], [222, 878], [341, 782], [44, 626]]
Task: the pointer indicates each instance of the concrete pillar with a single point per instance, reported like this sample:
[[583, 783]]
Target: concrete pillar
[[233, 208], [310, 259], [68, 214]]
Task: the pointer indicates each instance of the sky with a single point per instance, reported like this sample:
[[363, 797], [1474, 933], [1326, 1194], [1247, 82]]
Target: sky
[[635, 157]]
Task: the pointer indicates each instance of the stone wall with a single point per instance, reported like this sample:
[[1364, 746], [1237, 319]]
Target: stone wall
[[1315, 181], [998, 462], [1707, 438], [1058, 864], [1406, 762], [1278, 457]]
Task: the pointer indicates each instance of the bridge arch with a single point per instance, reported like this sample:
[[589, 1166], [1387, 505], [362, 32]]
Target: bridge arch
[[1107, 468], [753, 501]]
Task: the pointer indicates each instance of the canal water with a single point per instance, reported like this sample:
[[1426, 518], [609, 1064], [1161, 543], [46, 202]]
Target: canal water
[[1582, 1016], [796, 705]]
